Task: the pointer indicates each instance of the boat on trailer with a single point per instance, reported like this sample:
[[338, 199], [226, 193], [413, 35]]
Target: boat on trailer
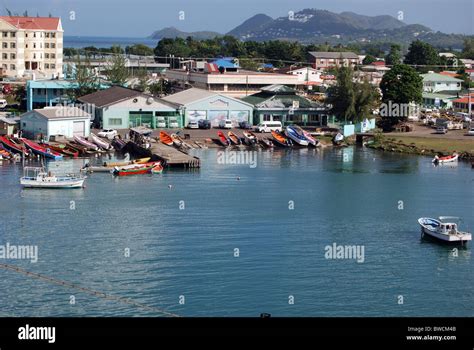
[[447, 159], [445, 229], [38, 177]]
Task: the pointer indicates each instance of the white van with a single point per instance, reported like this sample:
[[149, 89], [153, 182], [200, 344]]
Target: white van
[[268, 127], [3, 103]]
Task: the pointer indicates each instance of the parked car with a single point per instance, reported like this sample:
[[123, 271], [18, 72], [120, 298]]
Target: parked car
[[269, 127], [204, 124], [160, 122], [471, 131], [173, 123], [441, 130], [193, 125], [108, 133], [245, 125], [226, 124]]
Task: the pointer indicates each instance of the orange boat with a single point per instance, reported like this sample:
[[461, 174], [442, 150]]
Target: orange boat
[[166, 139], [281, 140]]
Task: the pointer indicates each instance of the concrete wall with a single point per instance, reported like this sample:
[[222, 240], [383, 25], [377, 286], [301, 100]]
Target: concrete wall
[[34, 125]]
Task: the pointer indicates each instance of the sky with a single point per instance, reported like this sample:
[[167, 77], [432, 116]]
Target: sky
[[140, 18]]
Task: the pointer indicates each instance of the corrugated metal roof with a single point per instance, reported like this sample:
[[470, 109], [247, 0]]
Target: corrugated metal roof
[[110, 96], [189, 96], [439, 77], [63, 112]]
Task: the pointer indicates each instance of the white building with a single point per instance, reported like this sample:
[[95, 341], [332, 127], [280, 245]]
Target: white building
[[434, 82], [307, 76], [50, 121], [31, 45]]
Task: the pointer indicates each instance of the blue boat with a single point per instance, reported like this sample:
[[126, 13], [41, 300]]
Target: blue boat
[[296, 136]]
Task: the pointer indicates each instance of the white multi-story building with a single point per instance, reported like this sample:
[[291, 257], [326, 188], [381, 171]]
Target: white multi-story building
[[434, 82], [31, 45]]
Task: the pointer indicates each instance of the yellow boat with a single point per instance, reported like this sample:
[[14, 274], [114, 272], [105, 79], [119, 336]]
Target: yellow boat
[[141, 160], [136, 161]]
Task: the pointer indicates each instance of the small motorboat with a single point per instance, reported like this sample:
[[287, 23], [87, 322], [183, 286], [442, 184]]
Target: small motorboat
[[177, 141], [166, 139], [82, 141], [134, 169], [234, 138], [100, 142], [250, 138], [42, 151], [157, 169], [267, 143], [294, 134], [338, 139], [444, 229], [312, 141], [37, 177], [281, 140], [447, 159], [222, 139], [13, 146]]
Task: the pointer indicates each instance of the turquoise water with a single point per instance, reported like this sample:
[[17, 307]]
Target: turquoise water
[[343, 196]]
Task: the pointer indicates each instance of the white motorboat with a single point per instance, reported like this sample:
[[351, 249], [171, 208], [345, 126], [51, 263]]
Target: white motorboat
[[447, 159], [38, 177], [100, 142], [444, 229]]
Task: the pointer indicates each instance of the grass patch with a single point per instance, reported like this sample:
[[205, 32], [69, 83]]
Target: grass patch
[[439, 144]]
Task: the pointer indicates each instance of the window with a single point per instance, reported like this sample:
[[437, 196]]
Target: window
[[34, 45], [46, 55], [34, 35], [266, 117], [46, 45], [5, 34], [53, 35], [12, 45], [53, 45], [12, 35], [12, 67], [53, 66], [53, 55], [12, 56], [4, 56], [46, 66], [5, 45], [46, 35], [115, 121]]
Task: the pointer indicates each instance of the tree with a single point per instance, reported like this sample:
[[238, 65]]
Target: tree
[[394, 57], [160, 88], [69, 52], [117, 71], [466, 80], [420, 53], [369, 59], [468, 49], [139, 50], [142, 77], [366, 99], [87, 82], [402, 84]]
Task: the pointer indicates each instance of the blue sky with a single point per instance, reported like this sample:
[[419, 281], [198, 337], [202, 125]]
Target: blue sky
[[139, 18]]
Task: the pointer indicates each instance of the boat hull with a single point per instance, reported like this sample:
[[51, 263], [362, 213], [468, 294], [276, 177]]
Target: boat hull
[[428, 228], [86, 143], [101, 143], [41, 151], [296, 137], [52, 185]]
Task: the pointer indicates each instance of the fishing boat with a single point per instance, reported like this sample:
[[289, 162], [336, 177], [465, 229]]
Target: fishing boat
[[42, 151], [100, 142], [338, 139], [311, 140], [445, 229], [293, 133], [166, 139], [447, 159], [134, 169], [63, 149], [82, 141], [281, 140], [222, 139], [250, 138], [176, 140], [37, 177], [234, 138], [13, 146], [157, 169], [118, 144], [267, 143], [4, 154]]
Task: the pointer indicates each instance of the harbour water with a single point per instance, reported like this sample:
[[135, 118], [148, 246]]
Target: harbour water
[[236, 240]]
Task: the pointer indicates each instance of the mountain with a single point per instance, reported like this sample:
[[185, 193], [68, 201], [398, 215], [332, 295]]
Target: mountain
[[172, 32], [253, 24], [383, 22]]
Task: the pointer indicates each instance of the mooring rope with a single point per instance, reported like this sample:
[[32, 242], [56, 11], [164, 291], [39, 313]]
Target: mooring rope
[[86, 290]]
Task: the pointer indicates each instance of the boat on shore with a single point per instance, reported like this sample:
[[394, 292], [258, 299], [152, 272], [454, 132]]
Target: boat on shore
[[11, 145], [338, 139], [166, 139], [444, 229], [295, 135], [447, 159], [82, 141], [63, 149], [157, 169], [134, 169], [234, 138], [118, 143], [37, 177], [4, 154], [100, 142], [42, 151], [222, 139], [311, 140], [267, 143], [250, 138], [177, 141], [281, 140]]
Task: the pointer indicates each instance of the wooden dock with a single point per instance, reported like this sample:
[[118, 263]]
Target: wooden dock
[[173, 157]]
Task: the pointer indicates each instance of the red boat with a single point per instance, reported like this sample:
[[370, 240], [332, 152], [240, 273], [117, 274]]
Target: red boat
[[13, 146], [67, 151], [166, 139], [222, 139], [42, 151], [134, 169]]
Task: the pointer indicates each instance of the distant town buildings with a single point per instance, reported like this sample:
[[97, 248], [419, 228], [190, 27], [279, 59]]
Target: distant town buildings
[[31, 46], [325, 60]]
